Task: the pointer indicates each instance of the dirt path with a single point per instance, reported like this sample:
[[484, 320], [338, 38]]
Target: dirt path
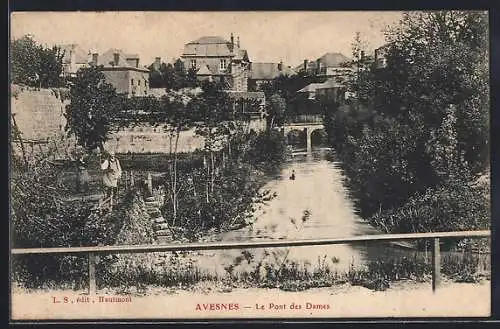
[[402, 300]]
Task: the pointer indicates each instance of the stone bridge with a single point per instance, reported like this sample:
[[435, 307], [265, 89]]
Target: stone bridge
[[307, 123]]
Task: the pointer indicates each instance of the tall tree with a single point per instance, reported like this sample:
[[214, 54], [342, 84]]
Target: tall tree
[[93, 110], [276, 107], [35, 65], [24, 61], [213, 112]]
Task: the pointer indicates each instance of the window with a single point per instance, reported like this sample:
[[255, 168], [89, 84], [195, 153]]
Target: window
[[223, 64], [138, 82], [131, 82], [193, 63]]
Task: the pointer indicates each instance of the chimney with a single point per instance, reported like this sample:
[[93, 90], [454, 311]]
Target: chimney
[[280, 65], [305, 64], [157, 63], [238, 41], [116, 58], [318, 66], [95, 57], [232, 42]]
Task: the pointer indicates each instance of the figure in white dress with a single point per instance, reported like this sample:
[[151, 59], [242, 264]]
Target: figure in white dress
[[112, 172]]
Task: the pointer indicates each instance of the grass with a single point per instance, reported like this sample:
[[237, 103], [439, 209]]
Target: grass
[[128, 273]]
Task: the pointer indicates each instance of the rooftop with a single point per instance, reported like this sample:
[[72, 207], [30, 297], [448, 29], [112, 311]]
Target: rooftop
[[269, 71], [107, 59], [81, 56], [208, 40]]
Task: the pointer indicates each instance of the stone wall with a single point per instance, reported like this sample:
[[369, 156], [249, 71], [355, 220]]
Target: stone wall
[[39, 113], [148, 139]]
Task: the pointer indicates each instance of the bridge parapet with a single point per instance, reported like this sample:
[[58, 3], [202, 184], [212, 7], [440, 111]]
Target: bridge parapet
[[304, 119]]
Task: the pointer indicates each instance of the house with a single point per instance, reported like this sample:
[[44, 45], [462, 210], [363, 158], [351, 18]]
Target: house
[[264, 72], [327, 66], [381, 56], [73, 59], [217, 59], [307, 100], [309, 91], [123, 72], [331, 89]]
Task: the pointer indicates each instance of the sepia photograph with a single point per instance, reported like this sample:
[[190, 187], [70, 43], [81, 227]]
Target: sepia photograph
[[249, 165]]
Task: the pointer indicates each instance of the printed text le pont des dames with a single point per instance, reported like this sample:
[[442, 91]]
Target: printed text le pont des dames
[[258, 306]]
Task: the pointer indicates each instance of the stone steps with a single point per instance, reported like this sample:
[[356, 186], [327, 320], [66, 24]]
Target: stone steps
[[159, 224]]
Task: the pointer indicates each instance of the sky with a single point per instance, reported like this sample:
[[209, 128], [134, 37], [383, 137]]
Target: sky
[[267, 36]]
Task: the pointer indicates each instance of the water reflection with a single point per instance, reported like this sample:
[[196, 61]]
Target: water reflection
[[317, 188]]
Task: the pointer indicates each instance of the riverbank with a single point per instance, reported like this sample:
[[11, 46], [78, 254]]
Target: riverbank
[[205, 301]]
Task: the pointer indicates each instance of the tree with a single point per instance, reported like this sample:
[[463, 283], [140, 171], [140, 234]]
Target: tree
[[423, 119], [24, 61], [171, 113], [51, 67], [35, 65], [276, 107], [213, 113], [93, 109]]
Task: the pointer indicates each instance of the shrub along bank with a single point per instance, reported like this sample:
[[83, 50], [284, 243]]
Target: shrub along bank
[[415, 138]]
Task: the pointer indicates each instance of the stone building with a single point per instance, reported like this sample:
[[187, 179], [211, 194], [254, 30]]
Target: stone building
[[265, 72], [217, 59], [74, 58], [123, 72], [330, 65]]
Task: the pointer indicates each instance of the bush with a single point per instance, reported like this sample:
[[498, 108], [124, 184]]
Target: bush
[[456, 206]]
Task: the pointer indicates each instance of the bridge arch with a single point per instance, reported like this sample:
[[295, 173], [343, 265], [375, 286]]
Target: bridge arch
[[308, 129], [319, 137]]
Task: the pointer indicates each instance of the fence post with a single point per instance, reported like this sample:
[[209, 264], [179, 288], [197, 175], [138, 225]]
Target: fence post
[[150, 184], [92, 284], [436, 264]]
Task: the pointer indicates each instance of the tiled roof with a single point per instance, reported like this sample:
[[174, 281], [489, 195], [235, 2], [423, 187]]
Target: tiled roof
[[81, 56], [269, 71], [107, 59], [333, 59], [330, 83], [208, 40], [213, 47], [327, 60], [309, 88]]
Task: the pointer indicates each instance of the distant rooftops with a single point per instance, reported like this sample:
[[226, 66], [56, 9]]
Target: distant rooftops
[[208, 40], [116, 59], [330, 83], [269, 71], [80, 56]]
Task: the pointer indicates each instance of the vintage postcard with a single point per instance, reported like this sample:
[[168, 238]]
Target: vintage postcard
[[249, 165]]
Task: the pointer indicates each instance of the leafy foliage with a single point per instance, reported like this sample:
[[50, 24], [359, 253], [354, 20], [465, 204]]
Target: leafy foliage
[[34, 65], [416, 135], [172, 77], [93, 110]]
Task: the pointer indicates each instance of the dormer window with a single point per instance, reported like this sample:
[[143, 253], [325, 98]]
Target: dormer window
[[223, 64], [193, 63]]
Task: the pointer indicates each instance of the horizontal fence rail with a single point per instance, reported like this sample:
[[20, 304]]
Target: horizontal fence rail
[[92, 252]]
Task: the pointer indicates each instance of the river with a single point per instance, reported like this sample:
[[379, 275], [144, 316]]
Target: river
[[317, 188]]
